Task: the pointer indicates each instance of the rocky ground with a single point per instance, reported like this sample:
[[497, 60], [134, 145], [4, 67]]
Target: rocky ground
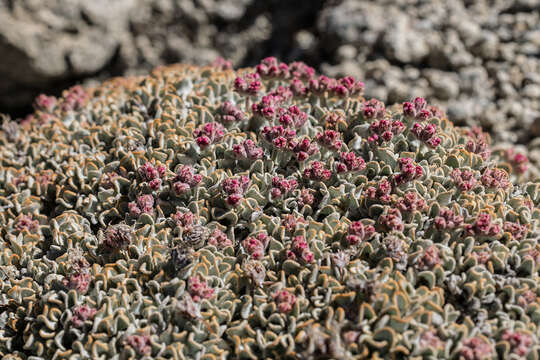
[[479, 59]]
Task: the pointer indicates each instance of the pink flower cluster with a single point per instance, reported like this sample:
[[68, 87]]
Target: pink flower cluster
[[198, 288], [359, 232], [184, 219], [300, 250], [384, 130], [417, 109], [464, 179], [430, 339], [248, 150], [329, 139], [520, 342], [219, 239], [78, 280], [185, 179], [483, 226], [332, 119], [235, 188], [482, 257], [343, 87], [429, 258], [518, 231], [45, 103], [290, 222], [282, 187], [447, 219], [306, 197], [408, 171], [518, 161], [392, 220], [249, 85], [381, 192], [278, 136], [495, 178], [373, 109], [285, 300], [478, 144], [81, 314], [209, 133], [350, 162], [229, 114], [474, 349], [255, 245], [152, 174], [300, 70], [144, 204], [221, 64], [316, 171], [139, 343], [292, 117], [270, 67], [74, 98], [426, 134], [528, 297], [410, 202], [27, 222], [266, 107], [303, 148]]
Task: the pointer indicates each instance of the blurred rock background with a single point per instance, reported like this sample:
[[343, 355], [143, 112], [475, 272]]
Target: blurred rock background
[[478, 59]]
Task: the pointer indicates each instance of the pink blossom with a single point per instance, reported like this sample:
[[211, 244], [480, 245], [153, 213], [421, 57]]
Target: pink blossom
[[306, 197], [282, 186], [329, 139], [248, 85], [299, 250], [198, 288], [381, 192], [528, 297], [483, 226], [248, 150], [464, 179], [45, 103], [140, 343], [270, 67], [292, 117], [350, 162], [255, 245], [81, 314], [285, 300], [495, 178], [184, 219], [408, 171], [520, 342], [27, 223], [429, 258], [290, 222], [228, 113], [410, 202], [209, 133], [447, 219], [317, 172], [79, 281], [475, 349], [300, 70], [219, 239], [221, 64], [392, 220], [359, 232], [518, 231], [74, 98]]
